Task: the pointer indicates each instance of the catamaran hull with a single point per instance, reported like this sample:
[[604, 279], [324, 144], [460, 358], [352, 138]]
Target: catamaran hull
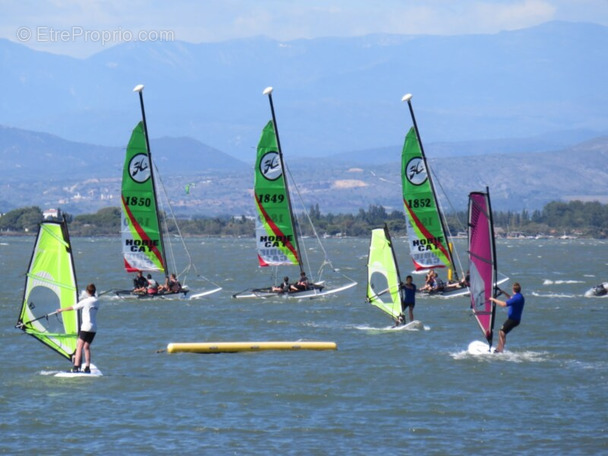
[[266, 293], [455, 292], [129, 294], [597, 291]]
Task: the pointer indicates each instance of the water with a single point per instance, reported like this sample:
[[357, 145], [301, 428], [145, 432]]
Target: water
[[382, 392]]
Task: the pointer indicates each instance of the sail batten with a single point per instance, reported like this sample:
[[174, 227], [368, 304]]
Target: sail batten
[[50, 283], [482, 261]]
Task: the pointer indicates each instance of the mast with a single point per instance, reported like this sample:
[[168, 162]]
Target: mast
[[494, 265], [408, 97], [139, 89], [390, 242], [268, 91]]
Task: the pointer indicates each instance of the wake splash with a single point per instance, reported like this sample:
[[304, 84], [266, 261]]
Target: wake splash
[[554, 295], [479, 351], [561, 282]]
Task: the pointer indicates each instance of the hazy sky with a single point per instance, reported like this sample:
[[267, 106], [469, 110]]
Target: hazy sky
[[83, 27]]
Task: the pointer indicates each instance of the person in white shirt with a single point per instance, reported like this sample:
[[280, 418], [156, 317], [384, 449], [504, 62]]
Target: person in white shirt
[[88, 328]]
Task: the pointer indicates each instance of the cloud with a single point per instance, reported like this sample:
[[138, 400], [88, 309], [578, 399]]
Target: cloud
[[220, 20]]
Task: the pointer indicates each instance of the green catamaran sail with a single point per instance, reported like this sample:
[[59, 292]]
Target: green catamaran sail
[[427, 232], [275, 233], [428, 240], [383, 274], [142, 241], [50, 283], [277, 239]]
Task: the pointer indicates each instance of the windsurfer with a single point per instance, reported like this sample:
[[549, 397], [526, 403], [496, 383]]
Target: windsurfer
[[88, 329], [515, 303], [283, 287], [407, 293]]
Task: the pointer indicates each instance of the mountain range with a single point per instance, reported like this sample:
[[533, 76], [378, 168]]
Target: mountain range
[[332, 95], [47, 171]]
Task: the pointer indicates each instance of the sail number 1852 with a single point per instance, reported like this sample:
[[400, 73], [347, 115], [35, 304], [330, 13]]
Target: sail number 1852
[[422, 202]]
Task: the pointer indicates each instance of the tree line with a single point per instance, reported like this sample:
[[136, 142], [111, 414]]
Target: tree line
[[587, 219]]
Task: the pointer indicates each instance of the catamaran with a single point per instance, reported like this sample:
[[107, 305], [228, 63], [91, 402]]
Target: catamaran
[[142, 228], [482, 262], [50, 284], [278, 242], [428, 236]]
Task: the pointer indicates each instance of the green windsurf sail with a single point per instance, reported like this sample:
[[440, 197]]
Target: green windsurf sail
[[50, 283], [275, 232], [383, 273], [142, 241]]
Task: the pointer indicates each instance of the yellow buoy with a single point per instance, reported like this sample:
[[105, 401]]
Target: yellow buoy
[[232, 347]]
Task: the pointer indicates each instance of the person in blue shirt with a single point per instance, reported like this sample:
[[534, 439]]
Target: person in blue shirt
[[407, 292], [515, 303]]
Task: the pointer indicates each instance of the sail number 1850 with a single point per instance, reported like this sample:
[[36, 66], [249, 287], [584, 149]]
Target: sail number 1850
[[135, 201], [422, 202]]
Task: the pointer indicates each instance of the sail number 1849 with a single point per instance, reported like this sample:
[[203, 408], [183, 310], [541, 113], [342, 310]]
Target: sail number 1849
[[271, 198]]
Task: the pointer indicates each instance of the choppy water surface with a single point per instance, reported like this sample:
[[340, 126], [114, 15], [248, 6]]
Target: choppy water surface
[[382, 392]]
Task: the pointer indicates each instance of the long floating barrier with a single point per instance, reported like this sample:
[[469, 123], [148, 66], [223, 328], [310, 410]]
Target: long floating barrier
[[233, 347]]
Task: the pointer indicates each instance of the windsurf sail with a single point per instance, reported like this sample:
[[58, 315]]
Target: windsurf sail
[[383, 273], [276, 236], [482, 261], [50, 284], [142, 240]]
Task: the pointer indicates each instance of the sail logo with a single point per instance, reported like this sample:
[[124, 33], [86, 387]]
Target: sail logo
[[139, 168], [415, 171], [270, 166]]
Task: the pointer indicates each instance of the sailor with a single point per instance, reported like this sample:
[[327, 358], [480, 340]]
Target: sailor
[[174, 285], [284, 287], [302, 284], [152, 285], [140, 284]]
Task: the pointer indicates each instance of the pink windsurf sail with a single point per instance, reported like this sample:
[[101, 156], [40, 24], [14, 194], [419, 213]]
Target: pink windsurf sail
[[482, 261]]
